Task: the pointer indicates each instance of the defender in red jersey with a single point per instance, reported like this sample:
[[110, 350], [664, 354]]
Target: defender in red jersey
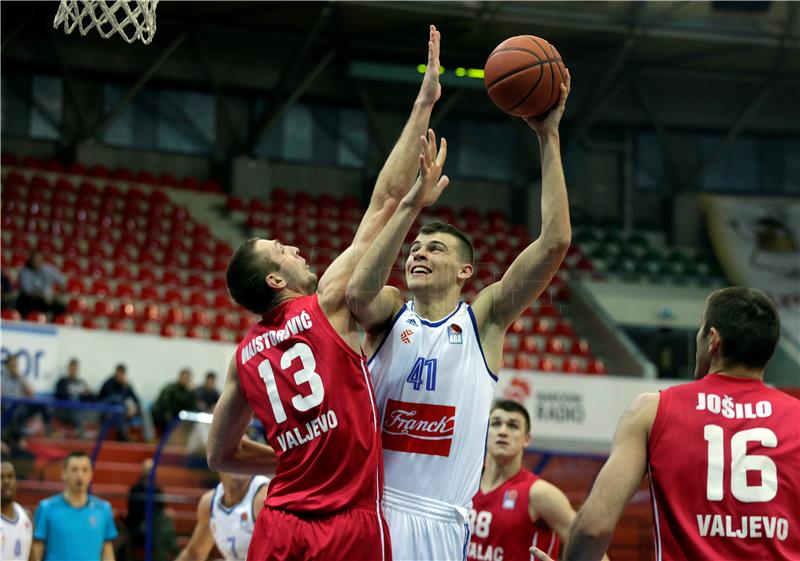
[[514, 509], [722, 453], [301, 372]]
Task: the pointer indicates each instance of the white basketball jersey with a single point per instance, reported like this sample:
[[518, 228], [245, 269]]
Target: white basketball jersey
[[16, 535], [233, 527], [434, 391]]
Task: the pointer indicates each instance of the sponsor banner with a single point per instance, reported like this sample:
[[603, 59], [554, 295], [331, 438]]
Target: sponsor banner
[[37, 350], [757, 241], [573, 412], [421, 428]]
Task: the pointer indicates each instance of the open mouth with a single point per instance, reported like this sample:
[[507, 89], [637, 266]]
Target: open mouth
[[420, 270]]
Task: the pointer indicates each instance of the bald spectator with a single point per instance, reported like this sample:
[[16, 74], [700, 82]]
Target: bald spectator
[[118, 391], [37, 287], [207, 395]]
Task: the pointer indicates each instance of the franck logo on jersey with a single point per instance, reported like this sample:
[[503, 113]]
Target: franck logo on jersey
[[420, 428], [510, 499], [406, 336], [454, 334]]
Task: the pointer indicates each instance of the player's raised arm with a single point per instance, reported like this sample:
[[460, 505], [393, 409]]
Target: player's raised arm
[[394, 180], [369, 303], [501, 303], [616, 483], [226, 449]]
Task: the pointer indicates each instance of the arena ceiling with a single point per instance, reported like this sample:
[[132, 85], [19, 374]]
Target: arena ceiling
[[654, 63]]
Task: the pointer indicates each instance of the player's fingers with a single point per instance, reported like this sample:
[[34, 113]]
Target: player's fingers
[[442, 152], [539, 554], [443, 182], [431, 145]]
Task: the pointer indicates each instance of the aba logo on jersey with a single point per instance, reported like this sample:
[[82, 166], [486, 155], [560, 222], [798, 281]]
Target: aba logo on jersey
[[419, 428], [454, 335], [510, 499], [406, 336], [243, 522]]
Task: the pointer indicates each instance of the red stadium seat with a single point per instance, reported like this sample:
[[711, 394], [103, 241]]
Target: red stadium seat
[[76, 285], [64, 319], [194, 280], [173, 297], [171, 278], [548, 310], [573, 366], [565, 328], [199, 318], [548, 365], [127, 310], [174, 315], [596, 366], [96, 269], [522, 362], [36, 317], [151, 312], [78, 305], [148, 292], [528, 344], [198, 300], [168, 330], [222, 301], [10, 314], [194, 332], [100, 288], [555, 347], [103, 308], [89, 323], [116, 324], [124, 290], [542, 326], [580, 347], [220, 320]]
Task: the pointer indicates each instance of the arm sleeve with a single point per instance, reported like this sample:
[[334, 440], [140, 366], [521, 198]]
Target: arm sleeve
[[40, 523]]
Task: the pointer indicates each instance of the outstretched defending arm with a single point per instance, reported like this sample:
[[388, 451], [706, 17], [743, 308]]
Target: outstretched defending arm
[[616, 483], [227, 450], [369, 302], [393, 183], [499, 304]]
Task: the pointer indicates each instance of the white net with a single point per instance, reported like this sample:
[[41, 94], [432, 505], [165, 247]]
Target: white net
[[133, 20]]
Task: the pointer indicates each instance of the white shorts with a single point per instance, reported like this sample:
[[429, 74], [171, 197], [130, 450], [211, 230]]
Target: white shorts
[[424, 529]]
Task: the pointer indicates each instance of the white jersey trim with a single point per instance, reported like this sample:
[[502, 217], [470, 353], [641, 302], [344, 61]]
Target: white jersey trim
[[656, 526]]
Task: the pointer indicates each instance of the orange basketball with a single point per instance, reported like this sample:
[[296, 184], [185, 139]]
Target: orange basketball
[[523, 76]]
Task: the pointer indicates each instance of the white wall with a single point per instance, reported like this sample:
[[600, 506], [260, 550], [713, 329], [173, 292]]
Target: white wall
[[152, 361]]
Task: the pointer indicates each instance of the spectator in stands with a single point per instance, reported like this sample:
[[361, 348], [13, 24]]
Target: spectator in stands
[[117, 391], [72, 388], [15, 385], [9, 296], [207, 395], [164, 543], [173, 398], [37, 287], [74, 525]]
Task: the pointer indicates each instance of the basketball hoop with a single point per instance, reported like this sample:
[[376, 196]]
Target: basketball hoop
[[132, 19]]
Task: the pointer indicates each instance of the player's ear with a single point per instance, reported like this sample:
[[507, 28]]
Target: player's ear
[[275, 281], [465, 272], [528, 439], [714, 341]]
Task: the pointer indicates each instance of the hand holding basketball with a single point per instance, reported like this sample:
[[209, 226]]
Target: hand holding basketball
[[431, 90], [431, 182], [549, 122]]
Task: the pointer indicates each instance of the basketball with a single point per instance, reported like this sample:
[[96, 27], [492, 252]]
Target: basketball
[[523, 76]]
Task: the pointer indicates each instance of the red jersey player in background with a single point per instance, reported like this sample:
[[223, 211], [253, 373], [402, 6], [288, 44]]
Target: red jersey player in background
[[300, 370], [723, 452], [514, 509]]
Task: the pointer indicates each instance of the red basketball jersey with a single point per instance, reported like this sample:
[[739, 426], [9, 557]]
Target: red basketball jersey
[[312, 393], [501, 526], [724, 463]]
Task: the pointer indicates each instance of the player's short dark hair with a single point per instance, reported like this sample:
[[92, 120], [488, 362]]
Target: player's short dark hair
[[75, 454], [513, 407], [748, 325], [246, 278], [465, 245]]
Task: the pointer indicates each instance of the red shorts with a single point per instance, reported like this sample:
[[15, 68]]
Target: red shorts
[[357, 534]]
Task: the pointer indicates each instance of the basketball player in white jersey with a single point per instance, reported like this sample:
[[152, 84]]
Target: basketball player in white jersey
[[226, 516], [434, 358], [16, 529]]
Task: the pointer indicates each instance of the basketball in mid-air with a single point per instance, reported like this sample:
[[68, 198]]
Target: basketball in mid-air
[[523, 76]]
